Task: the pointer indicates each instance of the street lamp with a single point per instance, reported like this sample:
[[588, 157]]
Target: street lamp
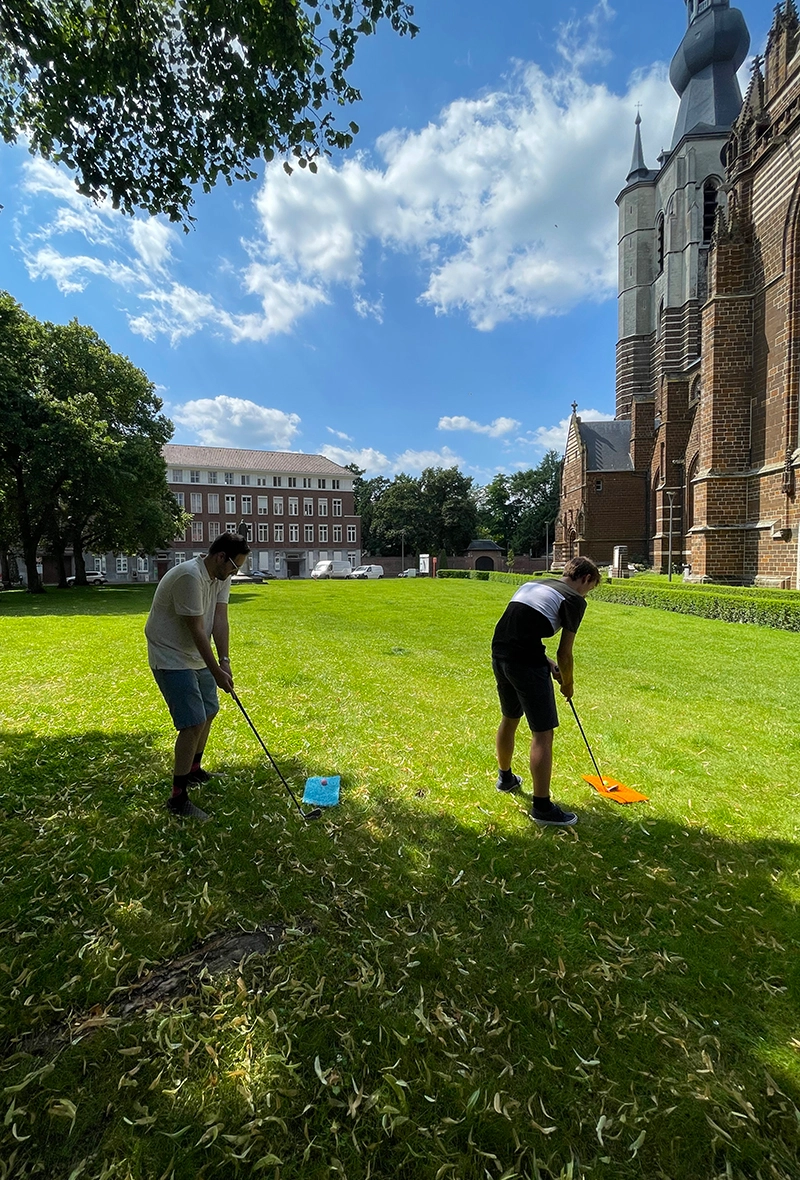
[[671, 498]]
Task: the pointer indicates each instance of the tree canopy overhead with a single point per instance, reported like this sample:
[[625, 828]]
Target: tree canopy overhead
[[145, 99]]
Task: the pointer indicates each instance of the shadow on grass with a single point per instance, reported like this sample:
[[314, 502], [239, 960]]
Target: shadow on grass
[[620, 995], [78, 600]]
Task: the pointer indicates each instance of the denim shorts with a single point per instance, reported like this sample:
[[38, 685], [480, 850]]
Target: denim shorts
[[528, 690], [190, 693]]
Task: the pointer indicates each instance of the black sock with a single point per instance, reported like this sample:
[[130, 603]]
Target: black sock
[[507, 776], [541, 803], [180, 784], [198, 758]]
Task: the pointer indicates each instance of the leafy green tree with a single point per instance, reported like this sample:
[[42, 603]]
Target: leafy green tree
[[399, 512], [448, 504], [536, 495], [498, 511], [145, 99], [80, 443], [366, 493]]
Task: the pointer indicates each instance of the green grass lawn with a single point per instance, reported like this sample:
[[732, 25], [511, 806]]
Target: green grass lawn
[[457, 994]]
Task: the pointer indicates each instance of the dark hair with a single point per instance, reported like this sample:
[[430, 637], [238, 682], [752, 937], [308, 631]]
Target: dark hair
[[578, 568], [231, 544]]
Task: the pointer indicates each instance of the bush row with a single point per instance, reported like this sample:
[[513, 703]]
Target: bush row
[[761, 608]]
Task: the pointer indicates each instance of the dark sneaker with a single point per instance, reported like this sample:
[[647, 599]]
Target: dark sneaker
[[200, 776], [509, 787], [556, 817], [182, 805]]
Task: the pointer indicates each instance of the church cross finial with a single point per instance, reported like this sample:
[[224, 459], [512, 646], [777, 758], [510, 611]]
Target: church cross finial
[[574, 407]]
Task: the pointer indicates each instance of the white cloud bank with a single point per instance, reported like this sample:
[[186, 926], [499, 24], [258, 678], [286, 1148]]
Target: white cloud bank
[[495, 429], [377, 463], [506, 201], [554, 438], [235, 422]]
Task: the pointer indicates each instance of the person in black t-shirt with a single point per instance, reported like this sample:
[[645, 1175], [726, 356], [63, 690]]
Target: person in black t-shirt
[[525, 674]]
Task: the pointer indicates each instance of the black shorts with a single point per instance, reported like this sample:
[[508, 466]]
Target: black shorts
[[528, 690]]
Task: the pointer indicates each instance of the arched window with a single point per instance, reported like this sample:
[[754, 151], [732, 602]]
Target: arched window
[[660, 243], [710, 201], [691, 473]]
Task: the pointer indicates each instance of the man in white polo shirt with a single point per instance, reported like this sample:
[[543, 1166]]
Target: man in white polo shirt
[[190, 608], [525, 675]]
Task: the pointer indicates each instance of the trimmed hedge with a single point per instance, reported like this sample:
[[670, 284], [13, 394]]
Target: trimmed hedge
[[730, 604]]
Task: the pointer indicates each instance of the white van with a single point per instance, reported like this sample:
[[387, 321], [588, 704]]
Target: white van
[[331, 569], [367, 571]]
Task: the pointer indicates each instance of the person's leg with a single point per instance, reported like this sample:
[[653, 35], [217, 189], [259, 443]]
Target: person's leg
[[199, 751], [541, 763], [505, 742], [186, 744], [208, 691], [184, 699]]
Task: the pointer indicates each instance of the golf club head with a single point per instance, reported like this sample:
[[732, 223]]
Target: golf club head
[[315, 813]]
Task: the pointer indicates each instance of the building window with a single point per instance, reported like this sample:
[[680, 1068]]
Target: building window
[[178, 559], [277, 562], [179, 496], [293, 506], [710, 195], [194, 477], [177, 475], [213, 501], [247, 505], [320, 483], [323, 534], [263, 534], [308, 508], [337, 534], [352, 558], [213, 530], [261, 481], [277, 505], [230, 505], [229, 478], [249, 534], [100, 565], [277, 481], [291, 481], [231, 526], [122, 563], [336, 507], [244, 480], [691, 476], [308, 534], [263, 505], [196, 500], [197, 530], [660, 242], [351, 534], [142, 565], [294, 534], [322, 507], [306, 482], [263, 561], [277, 534], [323, 555], [212, 477], [598, 485]]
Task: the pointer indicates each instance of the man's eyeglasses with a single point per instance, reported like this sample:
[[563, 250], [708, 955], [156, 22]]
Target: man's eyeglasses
[[235, 569]]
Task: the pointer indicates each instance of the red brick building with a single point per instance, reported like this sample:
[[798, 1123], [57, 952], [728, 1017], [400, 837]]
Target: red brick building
[[708, 355], [297, 509]]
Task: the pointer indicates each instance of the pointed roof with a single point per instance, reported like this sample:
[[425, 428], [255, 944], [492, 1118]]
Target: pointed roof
[[607, 445], [638, 170], [703, 71]]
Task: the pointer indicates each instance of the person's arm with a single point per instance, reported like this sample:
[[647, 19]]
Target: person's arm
[[197, 630], [221, 632], [565, 663]]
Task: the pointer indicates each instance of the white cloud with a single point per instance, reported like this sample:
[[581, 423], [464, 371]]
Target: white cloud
[[554, 438], [339, 434], [579, 39], [495, 429], [377, 463], [234, 422], [152, 242]]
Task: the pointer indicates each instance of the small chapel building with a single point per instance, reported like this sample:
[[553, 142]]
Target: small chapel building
[[702, 456]]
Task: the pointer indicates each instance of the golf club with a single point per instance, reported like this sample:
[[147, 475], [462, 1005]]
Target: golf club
[[316, 812], [603, 783]]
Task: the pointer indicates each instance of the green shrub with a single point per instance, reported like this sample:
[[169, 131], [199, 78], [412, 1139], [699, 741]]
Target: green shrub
[[762, 608]]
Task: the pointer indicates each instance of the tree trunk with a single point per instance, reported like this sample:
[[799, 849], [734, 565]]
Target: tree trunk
[[5, 570], [29, 548], [58, 551], [80, 561]]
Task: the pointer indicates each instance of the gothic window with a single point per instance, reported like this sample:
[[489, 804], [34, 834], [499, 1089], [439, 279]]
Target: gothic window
[[710, 195], [689, 496], [660, 242], [694, 392]]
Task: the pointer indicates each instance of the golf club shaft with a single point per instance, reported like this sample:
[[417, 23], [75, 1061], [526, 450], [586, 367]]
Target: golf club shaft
[[266, 751], [588, 747]]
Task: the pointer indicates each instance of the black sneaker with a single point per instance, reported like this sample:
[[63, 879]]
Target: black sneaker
[[556, 817], [182, 805], [200, 776], [509, 787]]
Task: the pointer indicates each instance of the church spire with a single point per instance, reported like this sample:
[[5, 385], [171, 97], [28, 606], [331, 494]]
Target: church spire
[[703, 71], [639, 170]]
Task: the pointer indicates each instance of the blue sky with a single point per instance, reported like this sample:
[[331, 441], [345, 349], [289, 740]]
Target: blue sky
[[439, 295]]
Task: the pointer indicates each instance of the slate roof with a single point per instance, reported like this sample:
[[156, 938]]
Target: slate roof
[[484, 543], [607, 445], [233, 459]]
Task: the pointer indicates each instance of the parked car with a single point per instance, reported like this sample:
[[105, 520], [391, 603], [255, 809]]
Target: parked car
[[331, 569], [367, 571], [256, 576], [409, 574], [92, 579]]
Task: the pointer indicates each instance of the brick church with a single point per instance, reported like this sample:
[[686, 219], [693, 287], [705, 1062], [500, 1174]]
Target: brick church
[[702, 456]]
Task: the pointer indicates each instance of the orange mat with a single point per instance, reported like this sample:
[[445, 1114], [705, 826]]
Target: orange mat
[[619, 794]]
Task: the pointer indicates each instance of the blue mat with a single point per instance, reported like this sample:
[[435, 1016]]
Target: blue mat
[[322, 791]]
